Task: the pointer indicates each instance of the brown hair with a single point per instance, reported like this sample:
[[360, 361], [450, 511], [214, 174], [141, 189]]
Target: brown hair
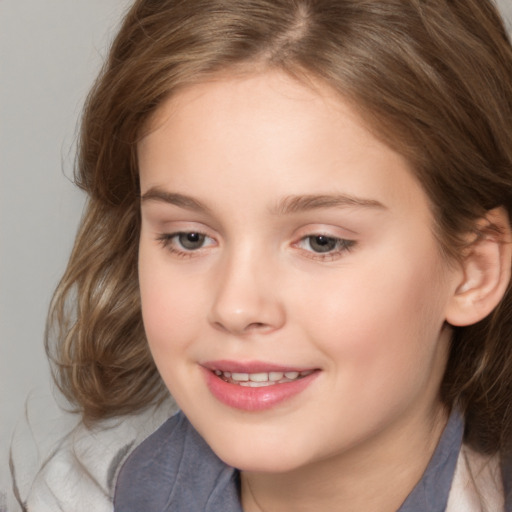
[[432, 77]]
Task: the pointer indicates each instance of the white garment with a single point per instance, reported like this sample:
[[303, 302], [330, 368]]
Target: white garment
[[60, 465], [477, 484]]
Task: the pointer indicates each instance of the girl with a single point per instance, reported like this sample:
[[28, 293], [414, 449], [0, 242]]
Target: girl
[[298, 225]]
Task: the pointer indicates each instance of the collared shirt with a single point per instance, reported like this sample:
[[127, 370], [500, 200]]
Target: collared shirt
[[175, 470]]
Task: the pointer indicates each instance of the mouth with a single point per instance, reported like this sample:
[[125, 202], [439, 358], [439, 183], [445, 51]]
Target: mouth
[[261, 379], [256, 386]]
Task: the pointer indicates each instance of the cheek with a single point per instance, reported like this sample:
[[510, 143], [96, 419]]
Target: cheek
[[386, 317], [381, 344], [169, 306], [170, 311]]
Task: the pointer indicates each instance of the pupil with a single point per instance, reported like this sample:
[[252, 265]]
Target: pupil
[[322, 243], [191, 241]]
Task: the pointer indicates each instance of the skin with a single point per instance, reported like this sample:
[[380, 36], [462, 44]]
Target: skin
[[368, 316]]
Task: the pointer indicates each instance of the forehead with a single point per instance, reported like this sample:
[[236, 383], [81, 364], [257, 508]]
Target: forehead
[[275, 97], [269, 135]]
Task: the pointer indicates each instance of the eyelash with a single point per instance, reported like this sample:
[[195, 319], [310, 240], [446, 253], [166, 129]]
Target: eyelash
[[341, 245]]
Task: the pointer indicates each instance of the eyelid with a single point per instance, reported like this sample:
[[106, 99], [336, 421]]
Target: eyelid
[[333, 230]]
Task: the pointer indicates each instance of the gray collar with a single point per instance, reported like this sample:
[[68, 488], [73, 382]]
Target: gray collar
[[432, 491]]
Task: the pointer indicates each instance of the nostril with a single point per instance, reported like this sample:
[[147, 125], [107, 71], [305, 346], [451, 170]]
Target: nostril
[[251, 327], [255, 325]]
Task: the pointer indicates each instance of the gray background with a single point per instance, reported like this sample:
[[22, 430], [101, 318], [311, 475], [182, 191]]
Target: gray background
[[50, 51]]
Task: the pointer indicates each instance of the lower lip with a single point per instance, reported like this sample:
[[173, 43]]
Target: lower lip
[[255, 399]]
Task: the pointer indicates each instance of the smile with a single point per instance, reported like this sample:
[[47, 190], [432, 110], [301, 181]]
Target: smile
[[261, 379], [255, 386]]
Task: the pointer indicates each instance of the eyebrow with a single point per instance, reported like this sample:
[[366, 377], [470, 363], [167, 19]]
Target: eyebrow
[[181, 200], [287, 205], [294, 204]]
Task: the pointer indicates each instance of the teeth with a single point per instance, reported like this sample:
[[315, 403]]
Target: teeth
[[239, 377], [258, 377], [252, 384], [262, 378]]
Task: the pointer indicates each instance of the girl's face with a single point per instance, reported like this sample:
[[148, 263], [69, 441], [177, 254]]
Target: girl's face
[[293, 294]]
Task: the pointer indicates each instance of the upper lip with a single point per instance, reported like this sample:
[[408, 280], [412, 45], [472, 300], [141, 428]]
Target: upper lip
[[252, 367]]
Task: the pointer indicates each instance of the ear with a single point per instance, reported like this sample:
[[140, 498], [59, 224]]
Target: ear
[[486, 270]]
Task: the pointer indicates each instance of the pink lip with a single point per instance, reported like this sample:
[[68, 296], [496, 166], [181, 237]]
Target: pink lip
[[249, 367], [253, 399]]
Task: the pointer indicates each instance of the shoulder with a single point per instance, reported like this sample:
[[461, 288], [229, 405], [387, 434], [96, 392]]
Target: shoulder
[[59, 464]]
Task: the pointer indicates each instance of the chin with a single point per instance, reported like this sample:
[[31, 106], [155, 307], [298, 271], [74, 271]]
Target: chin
[[258, 456], [261, 463]]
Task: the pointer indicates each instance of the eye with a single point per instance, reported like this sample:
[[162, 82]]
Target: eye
[[325, 245], [321, 243], [185, 242], [191, 241]]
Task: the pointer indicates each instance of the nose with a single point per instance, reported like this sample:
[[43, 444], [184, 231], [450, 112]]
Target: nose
[[247, 298]]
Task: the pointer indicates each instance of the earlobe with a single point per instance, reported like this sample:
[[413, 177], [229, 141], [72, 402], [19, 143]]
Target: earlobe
[[486, 271]]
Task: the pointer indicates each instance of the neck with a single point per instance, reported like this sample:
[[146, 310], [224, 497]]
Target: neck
[[376, 477]]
